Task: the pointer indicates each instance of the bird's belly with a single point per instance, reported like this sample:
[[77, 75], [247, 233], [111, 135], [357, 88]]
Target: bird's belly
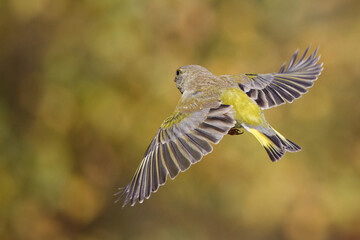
[[246, 110]]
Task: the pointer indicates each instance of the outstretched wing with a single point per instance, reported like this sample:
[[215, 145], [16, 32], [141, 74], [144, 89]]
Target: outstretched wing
[[274, 89], [182, 140]]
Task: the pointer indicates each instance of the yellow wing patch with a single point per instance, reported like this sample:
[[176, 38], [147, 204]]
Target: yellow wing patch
[[174, 118]]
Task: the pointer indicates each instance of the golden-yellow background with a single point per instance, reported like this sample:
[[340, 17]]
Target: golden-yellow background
[[84, 86]]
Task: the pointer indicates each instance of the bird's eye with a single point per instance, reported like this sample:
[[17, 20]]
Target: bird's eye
[[178, 72]]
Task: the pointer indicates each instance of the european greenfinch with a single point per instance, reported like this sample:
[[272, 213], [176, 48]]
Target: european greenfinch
[[213, 106]]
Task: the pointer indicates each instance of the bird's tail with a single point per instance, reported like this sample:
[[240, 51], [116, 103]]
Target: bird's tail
[[274, 143]]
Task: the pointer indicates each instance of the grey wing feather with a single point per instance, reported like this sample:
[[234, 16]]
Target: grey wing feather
[[176, 148], [290, 83]]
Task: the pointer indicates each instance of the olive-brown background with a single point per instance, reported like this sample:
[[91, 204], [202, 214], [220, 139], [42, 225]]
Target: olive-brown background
[[84, 86]]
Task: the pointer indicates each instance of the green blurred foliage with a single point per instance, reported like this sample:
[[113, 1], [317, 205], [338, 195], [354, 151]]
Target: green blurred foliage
[[84, 86]]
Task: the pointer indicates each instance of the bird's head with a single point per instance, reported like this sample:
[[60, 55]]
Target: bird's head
[[186, 76]]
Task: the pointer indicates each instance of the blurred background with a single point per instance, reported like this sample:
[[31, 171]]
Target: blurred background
[[85, 85]]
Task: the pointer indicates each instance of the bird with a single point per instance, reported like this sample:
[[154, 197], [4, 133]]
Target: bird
[[212, 106]]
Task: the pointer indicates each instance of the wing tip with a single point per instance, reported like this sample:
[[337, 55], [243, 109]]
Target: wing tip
[[122, 192], [296, 65]]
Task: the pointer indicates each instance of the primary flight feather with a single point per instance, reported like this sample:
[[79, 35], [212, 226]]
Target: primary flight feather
[[212, 106]]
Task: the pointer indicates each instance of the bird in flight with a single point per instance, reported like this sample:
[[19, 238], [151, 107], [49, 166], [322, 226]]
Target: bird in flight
[[213, 106]]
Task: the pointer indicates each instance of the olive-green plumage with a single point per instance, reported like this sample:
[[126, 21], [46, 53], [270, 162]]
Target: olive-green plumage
[[213, 106]]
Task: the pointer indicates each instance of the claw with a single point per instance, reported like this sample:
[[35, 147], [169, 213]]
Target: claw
[[235, 131]]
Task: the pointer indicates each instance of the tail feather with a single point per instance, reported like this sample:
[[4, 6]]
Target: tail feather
[[290, 146], [274, 143]]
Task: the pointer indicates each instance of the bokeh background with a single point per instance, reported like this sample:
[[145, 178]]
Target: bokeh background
[[84, 86]]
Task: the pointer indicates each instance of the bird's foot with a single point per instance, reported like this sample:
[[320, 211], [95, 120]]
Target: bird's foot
[[235, 131]]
